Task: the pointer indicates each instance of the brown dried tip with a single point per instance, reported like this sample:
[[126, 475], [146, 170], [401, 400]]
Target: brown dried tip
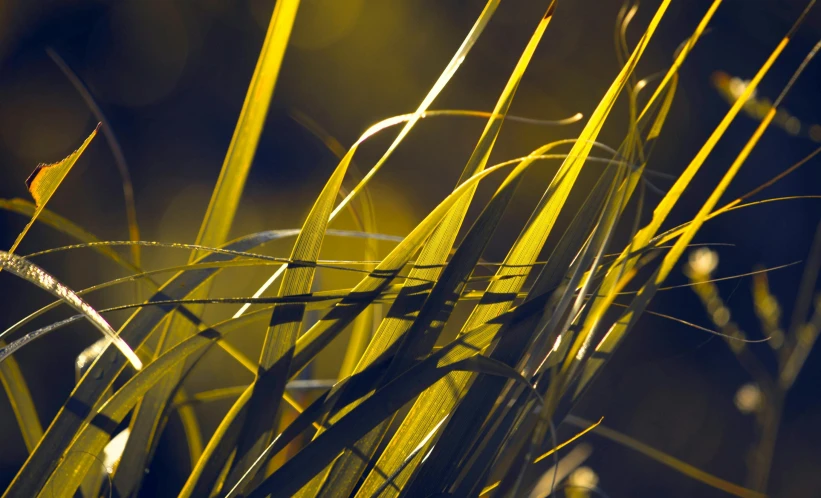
[[41, 171], [33, 174], [550, 9]]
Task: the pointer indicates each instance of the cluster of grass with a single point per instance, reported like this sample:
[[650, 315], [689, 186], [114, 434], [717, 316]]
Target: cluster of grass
[[411, 413]]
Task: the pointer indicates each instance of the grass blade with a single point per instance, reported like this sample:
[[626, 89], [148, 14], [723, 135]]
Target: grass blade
[[113, 144], [21, 403], [364, 217], [347, 469], [524, 252], [39, 277], [613, 281], [42, 183], [93, 435], [66, 226], [109, 364], [11, 377], [286, 321], [665, 459], [44, 180], [410, 120], [213, 232], [384, 402]]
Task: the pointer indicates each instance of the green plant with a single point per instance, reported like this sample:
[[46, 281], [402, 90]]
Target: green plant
[[483, 405]]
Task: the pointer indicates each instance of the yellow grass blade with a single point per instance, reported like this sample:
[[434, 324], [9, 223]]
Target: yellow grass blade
[[66, 226], [365, 222], [286, 322], [44, 180], [227, 193], [661, 457], [614, 282], [410, 120], [347, 469], [213, 232], [442, 397], [21, 403], [541, 457], [113, 144], [691, 42], [79, 456], [39, 277], [14, 384], [42, 184]]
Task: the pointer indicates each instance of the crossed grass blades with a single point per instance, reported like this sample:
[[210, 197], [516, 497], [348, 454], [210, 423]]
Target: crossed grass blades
[[482, 408]]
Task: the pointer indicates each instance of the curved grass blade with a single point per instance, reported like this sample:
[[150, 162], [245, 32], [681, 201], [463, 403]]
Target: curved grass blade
[[108, 365], [672, 462], [39, 277], [44, 180], [524, 252], [94, 434], [10, 376], [410, 120], [298, 470], [65, 226], [278, 234], [21, 403], [347, 469], [113, 144], [286, 321], [736, 204], [42, 184], [366, 222], [213, 231], [614, 281]]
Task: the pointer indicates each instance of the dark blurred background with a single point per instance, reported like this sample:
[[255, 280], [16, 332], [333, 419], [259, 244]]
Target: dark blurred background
[[171, 76]]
